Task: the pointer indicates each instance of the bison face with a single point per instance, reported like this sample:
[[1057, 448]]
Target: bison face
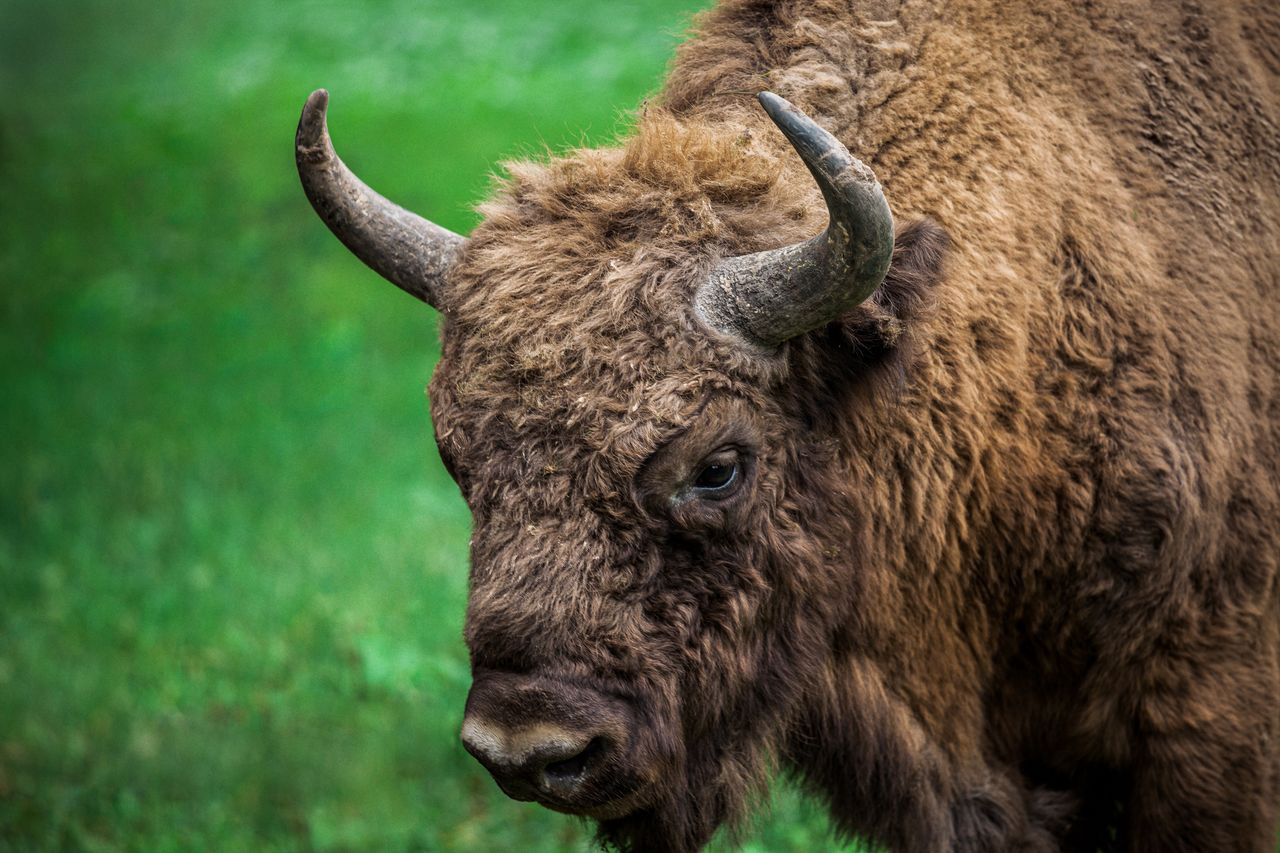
[[637, 397], [617, 596], [635, 622]]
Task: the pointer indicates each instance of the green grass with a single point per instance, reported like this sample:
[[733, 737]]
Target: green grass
[[232, 569]]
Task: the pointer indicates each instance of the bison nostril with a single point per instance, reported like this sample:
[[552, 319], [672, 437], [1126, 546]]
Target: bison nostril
[[542, 757], [567, 772]]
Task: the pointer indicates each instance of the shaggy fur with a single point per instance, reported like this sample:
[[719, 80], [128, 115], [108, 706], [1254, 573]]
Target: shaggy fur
[[1004, 575]]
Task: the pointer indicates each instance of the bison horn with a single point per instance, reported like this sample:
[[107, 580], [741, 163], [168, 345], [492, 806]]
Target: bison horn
[[402, 247], [775, 295]]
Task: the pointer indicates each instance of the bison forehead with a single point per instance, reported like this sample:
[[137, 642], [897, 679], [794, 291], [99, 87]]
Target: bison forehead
[[535, 314], [596, 433]]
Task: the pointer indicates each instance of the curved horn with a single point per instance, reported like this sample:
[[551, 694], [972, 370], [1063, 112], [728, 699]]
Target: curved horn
[[400, 246], [771, 296]]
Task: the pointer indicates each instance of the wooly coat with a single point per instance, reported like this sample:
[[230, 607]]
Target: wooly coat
[[997, 567]]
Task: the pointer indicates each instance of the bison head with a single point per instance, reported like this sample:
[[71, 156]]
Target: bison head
[[645, 403]]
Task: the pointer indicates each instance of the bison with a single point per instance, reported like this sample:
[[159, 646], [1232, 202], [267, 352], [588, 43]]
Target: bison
[[967, 516]]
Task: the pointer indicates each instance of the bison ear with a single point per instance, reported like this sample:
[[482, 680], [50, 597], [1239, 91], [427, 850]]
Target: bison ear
[[877, 326], [866, 353]]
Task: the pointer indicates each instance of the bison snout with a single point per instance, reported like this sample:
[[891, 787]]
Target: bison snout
[[538, 760], [562, 745]]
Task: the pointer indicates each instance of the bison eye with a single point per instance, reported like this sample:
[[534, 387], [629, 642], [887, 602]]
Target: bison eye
[[718, 475]]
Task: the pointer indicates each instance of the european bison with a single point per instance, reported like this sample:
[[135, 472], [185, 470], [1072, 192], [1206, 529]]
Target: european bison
[[982, 548]]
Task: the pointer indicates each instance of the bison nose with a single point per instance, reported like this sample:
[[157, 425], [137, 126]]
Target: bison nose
[[534, 761], [564, 744]]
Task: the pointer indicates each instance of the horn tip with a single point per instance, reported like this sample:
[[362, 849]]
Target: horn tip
[[311, 127], [774, 104], [794, 124]]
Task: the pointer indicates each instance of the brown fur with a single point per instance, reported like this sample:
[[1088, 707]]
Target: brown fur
[[1005, 573]]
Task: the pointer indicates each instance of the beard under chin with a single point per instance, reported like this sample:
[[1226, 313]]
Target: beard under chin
[[678, 826], [713, 792]]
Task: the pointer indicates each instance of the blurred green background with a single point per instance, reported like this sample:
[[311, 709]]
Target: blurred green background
[[232, 569]]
